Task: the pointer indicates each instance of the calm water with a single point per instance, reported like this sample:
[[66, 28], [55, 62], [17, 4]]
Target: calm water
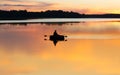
[[92, 47]]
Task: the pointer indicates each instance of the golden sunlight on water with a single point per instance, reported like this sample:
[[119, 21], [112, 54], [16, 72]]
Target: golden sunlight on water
[[23, 50]]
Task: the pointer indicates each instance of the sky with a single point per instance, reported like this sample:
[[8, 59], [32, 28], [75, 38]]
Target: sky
[[81, 6]]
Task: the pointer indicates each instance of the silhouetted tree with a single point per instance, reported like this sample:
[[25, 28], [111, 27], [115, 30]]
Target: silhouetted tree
[[24, 14]]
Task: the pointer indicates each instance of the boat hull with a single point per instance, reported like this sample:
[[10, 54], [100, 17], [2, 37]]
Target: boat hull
[[57, 37]]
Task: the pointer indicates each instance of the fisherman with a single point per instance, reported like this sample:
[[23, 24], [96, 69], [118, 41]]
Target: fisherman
[[55, 33]]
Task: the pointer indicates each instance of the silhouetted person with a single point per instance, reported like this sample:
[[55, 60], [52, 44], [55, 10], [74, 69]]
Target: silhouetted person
[[55, 33]]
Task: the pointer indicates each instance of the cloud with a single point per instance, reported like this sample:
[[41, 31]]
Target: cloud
[[30, 5], [13, 5], [21, 3], [14, 0], [45, 4]]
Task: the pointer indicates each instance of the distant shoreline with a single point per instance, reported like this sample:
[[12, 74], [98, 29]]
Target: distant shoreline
[[24, 15]]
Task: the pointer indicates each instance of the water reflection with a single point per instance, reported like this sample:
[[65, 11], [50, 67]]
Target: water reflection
[[82, 26], [14, 24], [43, 23], [23, 50]]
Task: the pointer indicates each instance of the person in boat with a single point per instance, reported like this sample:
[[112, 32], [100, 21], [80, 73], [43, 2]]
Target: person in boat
[[56, 37], [55, 33]]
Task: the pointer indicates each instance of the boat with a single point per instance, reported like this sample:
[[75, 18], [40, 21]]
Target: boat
[[57, 37]]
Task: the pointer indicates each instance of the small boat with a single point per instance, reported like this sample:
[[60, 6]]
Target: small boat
[[56, 37]]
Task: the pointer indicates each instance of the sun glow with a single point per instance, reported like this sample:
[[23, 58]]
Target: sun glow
[[82, 6]]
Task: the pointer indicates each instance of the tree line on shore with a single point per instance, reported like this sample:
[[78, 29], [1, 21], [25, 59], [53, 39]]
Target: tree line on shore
[[24, 14]]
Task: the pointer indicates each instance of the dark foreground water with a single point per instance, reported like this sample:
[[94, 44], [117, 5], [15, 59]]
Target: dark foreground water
[[92, 48]]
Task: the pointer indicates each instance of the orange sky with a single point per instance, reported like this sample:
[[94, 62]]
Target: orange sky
[[82, 6]]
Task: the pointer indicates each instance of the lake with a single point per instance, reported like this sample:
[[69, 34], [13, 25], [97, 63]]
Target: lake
[[92, 47]]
